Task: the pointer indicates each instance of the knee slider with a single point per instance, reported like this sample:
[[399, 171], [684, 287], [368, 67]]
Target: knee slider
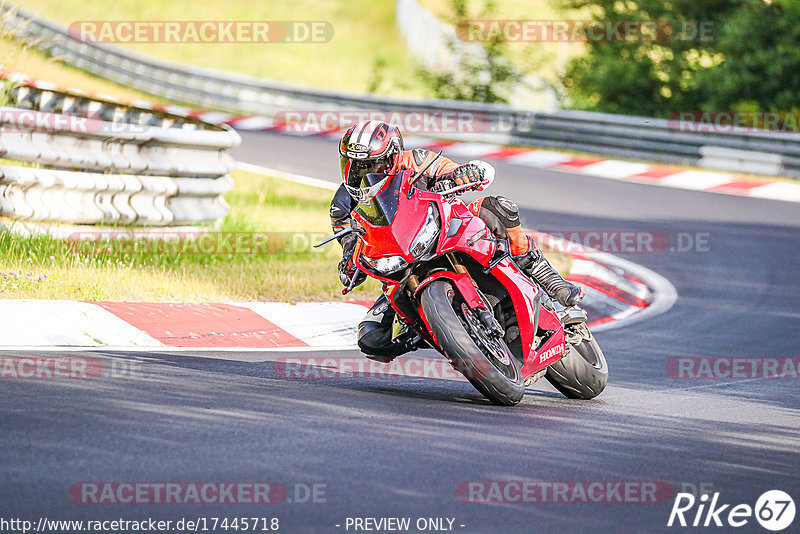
[[374, 339], [505, 209]]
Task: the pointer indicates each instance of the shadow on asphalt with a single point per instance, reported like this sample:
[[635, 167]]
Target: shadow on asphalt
[[457, 391]]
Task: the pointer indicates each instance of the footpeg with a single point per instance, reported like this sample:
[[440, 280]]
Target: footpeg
[[573, 315], [530, 379]]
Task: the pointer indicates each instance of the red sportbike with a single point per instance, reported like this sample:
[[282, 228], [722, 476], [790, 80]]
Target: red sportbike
[[456, 285]]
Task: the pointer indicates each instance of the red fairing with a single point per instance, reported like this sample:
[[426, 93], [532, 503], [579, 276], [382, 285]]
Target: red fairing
[[395, 239], [463, 283], [482, 250], [550, 352], [523, 295]]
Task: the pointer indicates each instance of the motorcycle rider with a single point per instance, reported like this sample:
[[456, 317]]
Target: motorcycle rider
[[377, 147]]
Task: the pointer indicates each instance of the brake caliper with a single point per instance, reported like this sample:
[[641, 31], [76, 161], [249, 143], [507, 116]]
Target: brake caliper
[[491, 324]]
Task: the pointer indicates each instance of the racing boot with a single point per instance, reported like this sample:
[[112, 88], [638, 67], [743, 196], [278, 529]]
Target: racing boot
[[535, 265], [407, 343]]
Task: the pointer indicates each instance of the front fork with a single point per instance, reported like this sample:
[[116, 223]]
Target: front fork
[[466, 286]]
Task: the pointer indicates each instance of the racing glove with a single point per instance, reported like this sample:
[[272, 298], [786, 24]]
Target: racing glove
[[487, 172], [347, 268], [465, 174]]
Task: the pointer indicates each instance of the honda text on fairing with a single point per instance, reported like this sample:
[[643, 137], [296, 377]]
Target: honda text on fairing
[[455, 284]]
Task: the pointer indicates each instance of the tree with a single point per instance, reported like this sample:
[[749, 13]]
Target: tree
[[724, 53], [487, 77], [761, 44]]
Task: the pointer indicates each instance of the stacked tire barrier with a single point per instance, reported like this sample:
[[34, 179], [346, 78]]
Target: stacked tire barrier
[[82, 160], [595, 133]]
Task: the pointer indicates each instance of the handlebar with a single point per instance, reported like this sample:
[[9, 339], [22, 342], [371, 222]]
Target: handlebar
[[352, 284], [337, 235], [457, 189], [354, 227]]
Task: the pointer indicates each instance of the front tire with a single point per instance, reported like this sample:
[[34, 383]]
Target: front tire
[[499, 377], [582, 373]]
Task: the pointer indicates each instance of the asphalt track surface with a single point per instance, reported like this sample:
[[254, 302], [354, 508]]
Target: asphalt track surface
[[400, 447]]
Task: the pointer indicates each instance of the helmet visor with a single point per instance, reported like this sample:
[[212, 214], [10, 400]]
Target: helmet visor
[[355, 171]]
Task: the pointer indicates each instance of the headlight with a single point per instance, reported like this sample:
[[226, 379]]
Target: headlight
[[427, 234], [386, 265]]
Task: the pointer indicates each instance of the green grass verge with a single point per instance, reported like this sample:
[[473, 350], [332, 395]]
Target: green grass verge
[[262, 251]]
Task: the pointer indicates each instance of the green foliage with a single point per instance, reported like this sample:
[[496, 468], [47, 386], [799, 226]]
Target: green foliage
[[761, 43], [6, 93], [723, 54], [5, 96], [377, 76]]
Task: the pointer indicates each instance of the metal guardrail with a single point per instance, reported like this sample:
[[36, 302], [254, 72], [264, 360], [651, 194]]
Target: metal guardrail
[[74, 102], [102, 162], [657, 139], [596, 133]]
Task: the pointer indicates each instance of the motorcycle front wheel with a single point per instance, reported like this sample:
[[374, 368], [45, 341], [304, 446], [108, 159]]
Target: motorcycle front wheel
[[485, 361]]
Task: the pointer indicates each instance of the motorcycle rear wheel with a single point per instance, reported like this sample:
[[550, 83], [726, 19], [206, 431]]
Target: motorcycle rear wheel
[[487, 363], [582, 373]]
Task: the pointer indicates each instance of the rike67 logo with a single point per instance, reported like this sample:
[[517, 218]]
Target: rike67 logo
[[774, 510]]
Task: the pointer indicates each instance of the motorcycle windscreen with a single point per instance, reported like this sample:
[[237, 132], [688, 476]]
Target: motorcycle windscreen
[[380, 198]]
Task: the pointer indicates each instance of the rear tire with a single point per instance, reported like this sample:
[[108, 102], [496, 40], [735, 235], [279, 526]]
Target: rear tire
[[500, 383], [582, 373]]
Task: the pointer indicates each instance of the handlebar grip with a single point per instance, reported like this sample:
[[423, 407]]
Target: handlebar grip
[[443, 185]]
